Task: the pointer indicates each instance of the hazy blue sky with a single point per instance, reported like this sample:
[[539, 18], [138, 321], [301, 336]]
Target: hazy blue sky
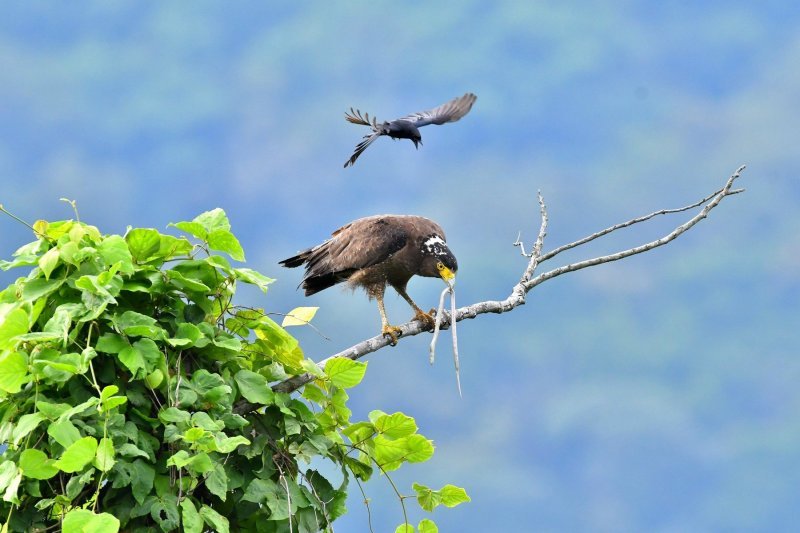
[[657, 394]]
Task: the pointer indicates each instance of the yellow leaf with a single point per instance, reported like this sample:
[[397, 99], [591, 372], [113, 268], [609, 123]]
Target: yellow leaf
[[299, 316]]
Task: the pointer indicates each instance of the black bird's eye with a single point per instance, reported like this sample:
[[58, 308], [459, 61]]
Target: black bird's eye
[[439, 265]]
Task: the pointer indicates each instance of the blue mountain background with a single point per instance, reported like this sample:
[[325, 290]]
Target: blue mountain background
[[660, 393]]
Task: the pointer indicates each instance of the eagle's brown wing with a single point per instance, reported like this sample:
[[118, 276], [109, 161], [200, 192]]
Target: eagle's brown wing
[[355, 246]]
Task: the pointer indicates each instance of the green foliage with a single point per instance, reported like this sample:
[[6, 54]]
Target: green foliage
[[135, 395]]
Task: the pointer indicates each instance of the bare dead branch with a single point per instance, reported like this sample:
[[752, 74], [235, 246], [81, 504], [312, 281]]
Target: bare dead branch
[[521, 245], [674, 234], [536, 253], [551, 254], [528, 282]]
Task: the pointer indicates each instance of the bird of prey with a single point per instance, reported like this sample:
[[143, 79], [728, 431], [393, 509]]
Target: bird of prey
[[408, 127], [376, 251]]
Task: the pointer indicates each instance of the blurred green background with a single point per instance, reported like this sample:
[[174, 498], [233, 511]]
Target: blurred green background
[[655, 394]]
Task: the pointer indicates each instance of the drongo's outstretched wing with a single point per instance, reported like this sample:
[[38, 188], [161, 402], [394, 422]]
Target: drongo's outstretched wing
[[449, 112]]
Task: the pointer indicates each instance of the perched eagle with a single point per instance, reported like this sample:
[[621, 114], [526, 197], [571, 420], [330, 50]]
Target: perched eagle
[[375, 251], [408, 127]]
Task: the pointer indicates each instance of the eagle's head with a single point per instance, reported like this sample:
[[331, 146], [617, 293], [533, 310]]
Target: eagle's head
[[437, 260]]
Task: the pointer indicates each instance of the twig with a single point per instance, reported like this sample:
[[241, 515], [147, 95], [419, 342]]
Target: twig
[[536, 253], [275, 313], [520, 290], [521, 245], [288, 495], [391, 483], [15, 217], [674, 234], [551, 254], [366, 503], [74, 205]]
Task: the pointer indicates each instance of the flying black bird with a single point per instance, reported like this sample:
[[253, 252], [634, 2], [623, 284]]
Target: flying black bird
[[408, 127], [375, 251]]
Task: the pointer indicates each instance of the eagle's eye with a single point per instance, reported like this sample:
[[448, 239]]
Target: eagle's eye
[[439, 266]]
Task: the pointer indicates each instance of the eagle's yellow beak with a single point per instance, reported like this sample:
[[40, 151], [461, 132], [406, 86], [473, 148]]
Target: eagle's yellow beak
[[447, 275]]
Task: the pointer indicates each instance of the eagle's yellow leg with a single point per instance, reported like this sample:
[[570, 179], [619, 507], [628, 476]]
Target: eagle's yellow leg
[[387, 330], [419, 314]]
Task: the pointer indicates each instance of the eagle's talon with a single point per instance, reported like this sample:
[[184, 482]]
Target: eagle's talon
[[426, 318], [392, 332]]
